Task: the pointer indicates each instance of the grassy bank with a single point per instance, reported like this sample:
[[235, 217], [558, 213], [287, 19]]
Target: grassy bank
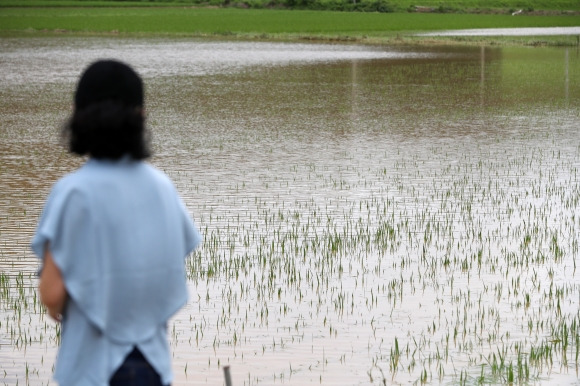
[[449, 6], [264, 24]]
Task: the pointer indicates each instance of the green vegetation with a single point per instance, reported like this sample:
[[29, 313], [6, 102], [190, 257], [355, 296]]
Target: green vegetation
[[470, 6], [243, 23], [383, 20]]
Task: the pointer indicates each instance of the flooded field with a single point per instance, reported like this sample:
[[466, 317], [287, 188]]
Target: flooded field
[[537, 31], [371, 215]]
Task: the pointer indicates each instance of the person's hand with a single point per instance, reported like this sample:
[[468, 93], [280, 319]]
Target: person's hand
[[51, 287], [56, 316]]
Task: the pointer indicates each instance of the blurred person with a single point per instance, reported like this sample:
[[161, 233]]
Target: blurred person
[[113, 238]]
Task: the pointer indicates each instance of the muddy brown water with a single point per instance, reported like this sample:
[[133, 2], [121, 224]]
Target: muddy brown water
[[370, 214]]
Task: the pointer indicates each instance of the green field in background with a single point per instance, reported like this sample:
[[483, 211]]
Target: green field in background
[[281, 24], [559, 5], [234, 21]]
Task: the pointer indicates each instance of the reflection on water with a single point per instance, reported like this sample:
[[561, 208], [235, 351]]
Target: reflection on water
[[369, 214], [60, 60]]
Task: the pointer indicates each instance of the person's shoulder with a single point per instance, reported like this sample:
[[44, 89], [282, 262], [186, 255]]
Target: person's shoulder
[[157, 174], [153, 170], [67, 190], [71, 181]]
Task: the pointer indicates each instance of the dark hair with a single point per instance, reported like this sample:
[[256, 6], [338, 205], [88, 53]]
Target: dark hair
[[108, 119]]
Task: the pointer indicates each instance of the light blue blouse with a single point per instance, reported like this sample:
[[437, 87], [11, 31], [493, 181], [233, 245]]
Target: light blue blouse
[[119, 233]]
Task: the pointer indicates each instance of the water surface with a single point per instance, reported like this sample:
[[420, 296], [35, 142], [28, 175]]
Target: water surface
[[369, 214], [537, 31]]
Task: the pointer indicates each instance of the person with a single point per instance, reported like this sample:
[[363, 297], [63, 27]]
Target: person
[[113, 238]]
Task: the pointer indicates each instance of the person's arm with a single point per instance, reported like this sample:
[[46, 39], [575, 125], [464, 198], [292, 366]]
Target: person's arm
[[51, 287]]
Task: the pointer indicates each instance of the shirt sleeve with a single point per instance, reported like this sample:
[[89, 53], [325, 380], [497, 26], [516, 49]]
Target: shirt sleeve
[[64, 225], [192, 235]]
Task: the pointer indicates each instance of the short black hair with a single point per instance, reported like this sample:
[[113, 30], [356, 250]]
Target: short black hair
[[108, 119]]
